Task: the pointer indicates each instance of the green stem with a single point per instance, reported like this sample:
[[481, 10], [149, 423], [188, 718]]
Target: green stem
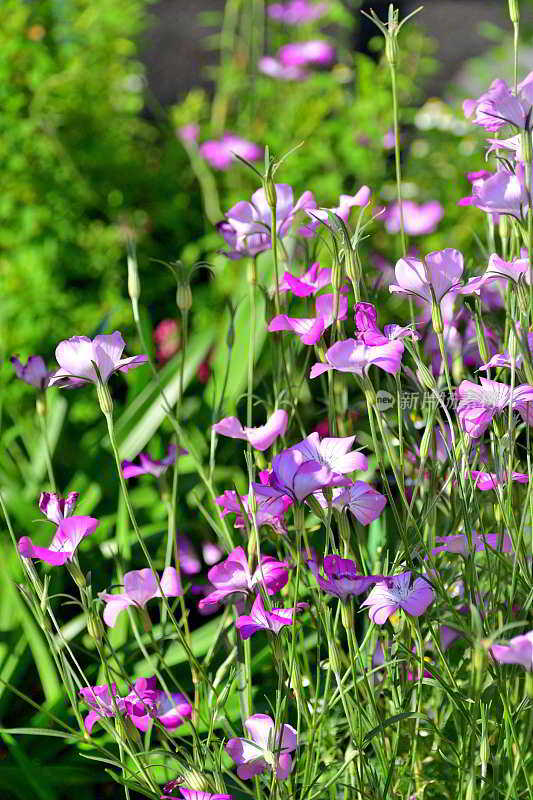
[[41, 415]]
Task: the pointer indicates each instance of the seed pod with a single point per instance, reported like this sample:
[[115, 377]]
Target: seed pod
[[514, 11], [184, 297]]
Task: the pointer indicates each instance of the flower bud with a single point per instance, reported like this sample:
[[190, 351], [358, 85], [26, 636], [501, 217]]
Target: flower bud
[[426, 441], [514, 11], [436, 318], [425, 377], [391, 50], [95, 629], [77, 574], [336, 276], [522, 293], [134, 284], [525, 147], [270, 192], [195, 780], [184, 297], [104, 398]]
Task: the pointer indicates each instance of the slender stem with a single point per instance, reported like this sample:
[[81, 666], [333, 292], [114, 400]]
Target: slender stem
[[397, 155], [41, 415]]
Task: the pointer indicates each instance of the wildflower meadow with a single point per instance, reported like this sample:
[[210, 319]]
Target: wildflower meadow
[[267, 496]]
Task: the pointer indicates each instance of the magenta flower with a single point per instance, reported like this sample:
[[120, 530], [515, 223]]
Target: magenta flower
[[368, 332], [485, 481], [56, 508], [362, 500], [190, 564], [63, 546], [220, 154], [479, 404], [310, 330], [247, 225], [458, 543], [211, 553], [260, 438], [504, 193], [351, 355], [269, 511], [253, 756], [34, 372], [262, 620], [151, 466], [498, 106], [191, 794], [275, 69], [167, 339], [301, 54], [77, 355], [234, 581], [333, 453], [397, 592], [311, 282], [518, 650], [341, 577], [140, 586], [436, 276], [188, 133], [417, 219], [296, 12]]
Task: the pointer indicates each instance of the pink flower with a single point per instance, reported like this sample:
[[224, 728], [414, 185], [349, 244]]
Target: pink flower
[[311, 282], [334, 453], [437, 275], [167, 339], [301, 54], [191, 794], [233, 580], [362, 500], [397, 592], [341, 577], [519, 650], [296, 12], [262, 620], [504, 193], [211, 553], [34, 372], [188, 133], [140, 586], [275, 69], [151, 466], [498, 106], [497, 270], [221, 154], [260, 438], [253, 756], [479, 404], [68, 536], [269, 511], [310, 330], [56, 508], [458, 543], [351, 355], [76, 358], [485, 481], [346, 202], [368, 331], [417, 219]]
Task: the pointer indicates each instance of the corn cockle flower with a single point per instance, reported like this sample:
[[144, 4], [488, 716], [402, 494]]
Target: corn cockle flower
[[334, 453], [297, 476], [34, 372], [247, 225], [260, 619], [351, 355], [498, 106], [151, 466], [140, 586], [346, 202], [485, 481], [78, 355], [220, 154], [431, 279], [269, 511], [275, 69], [69, 534], [497, 270], [234, 581], [518, 650], [296, 12], [362, 500], [504, 193], [211, 553], [504, 359], [301, 54], [397, 592], [341, 577], [310, 330], [479, 404], [188, 133], [311, 282], [366, 319], [458, 543], [253, 756], [260, 438], [191, 794], [56, 508], [417, 219]]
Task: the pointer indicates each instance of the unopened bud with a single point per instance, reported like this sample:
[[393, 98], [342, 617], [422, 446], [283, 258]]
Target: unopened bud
[[426, 441], [522, 293], [484, 750], [480, 664], [335, 657], [95, 629], [230, 338], [184, 297], [219, 785], [514, 11], [336, 276], [195, 780], [134, 284], [391, 50], [525, 147], [77, 574], [436, 318], [270, 192], [40, 404], [471, 788], [104, 398], [425, 377]]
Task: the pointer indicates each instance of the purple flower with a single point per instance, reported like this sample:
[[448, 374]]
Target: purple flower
[[310, 330], [247, 225], [477, 179], [63, 546], [262, 620], [479, 404], [56, 508], [190, 564], [417, 219], [253, 756], [301, 54], [211, 553], [497, 270], [221, 154], [397, 592], [260, 438], [333, 453], [362, 500], [139, 587], [296, 12], [499, 106], [351, 355], [518, 650], [76, 356], [34, 372], [437, 275], [341, 577], [275, 69], [269, 511], [346, 203], [311, 282], [151, 466], [504, 193], [234, 581], [458, 543], [368, 331], [485, 481]]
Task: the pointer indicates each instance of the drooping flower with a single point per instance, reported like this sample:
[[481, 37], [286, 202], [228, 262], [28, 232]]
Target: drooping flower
[[140, 586], [352, 355], [310, 330], [69, 534], [296, 12], [497, 270], [151, 466], [260, 438], [362, 500], [458, 543], [341, 577], [397, 592], [234, 581], [190, 564], [479, 404], [418, 220], [485, 481], [367, 328], [76, 358], [498, 106], [260, 619], [247, 225], [518, 650], [33, 372], [302, 54], [220, 154], [440, 272], [56, 508], [253, 756]]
